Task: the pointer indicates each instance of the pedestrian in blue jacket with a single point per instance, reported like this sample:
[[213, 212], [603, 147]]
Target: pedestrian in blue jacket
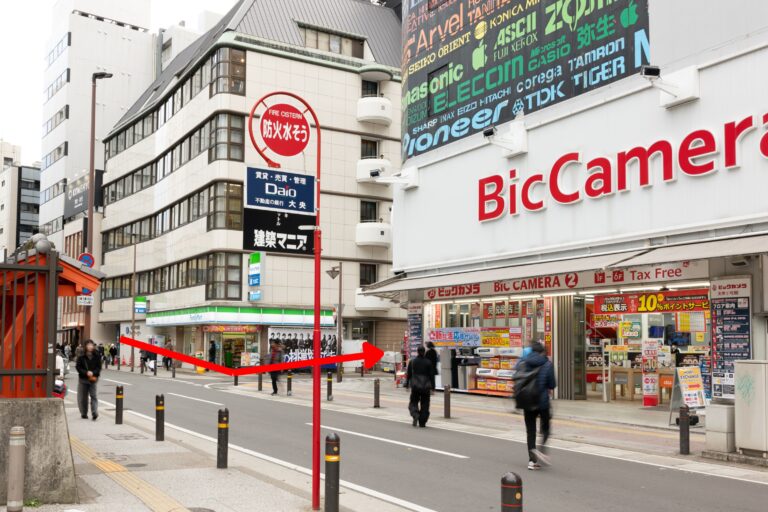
[[536, 361]]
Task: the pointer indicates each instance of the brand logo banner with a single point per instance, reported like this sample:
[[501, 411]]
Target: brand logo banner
[[470, 64], [270, 231], [273, 189]]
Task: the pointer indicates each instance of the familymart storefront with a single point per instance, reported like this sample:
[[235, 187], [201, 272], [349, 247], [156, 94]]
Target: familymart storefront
[[239, 333]]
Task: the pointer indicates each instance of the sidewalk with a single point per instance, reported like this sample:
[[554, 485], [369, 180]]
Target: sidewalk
[[121, 468]]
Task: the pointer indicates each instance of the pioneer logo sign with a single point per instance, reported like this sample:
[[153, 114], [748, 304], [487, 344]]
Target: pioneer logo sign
[[470, 64]]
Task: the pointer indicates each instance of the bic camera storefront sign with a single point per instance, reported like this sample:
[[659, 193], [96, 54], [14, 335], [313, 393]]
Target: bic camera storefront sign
[[576, 280]]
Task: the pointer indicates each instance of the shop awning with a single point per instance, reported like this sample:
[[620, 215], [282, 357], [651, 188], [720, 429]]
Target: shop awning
[[699, 251], [501, 273]]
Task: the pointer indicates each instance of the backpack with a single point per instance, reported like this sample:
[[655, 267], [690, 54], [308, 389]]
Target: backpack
[[527, 392]]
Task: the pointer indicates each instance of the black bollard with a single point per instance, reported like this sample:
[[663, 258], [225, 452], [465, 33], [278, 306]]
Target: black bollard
[[332, 472], [329, 392], [173, 370], [223, 445], [447, 401], [119, 405], [290, 383], [511, 492], [154, 368], [376, 392], [142, 368], [159, 418], [685, 432], [261, 383], [236, 382]]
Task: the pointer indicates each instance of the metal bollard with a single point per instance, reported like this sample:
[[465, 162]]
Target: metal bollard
[[511, 492], [16, 460], [142, 367], [236, 381], [685, 432], [154, 368], [447, 401], [290, 383], [261, 383], [223, 445], [362, 370], [329, 391], [159, 418], [332, 461], [376, 392], [119, 405], [173, 369]]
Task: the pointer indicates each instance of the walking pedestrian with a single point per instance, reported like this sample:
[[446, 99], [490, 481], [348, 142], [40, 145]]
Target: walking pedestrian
[[534, 380], [167, 360], [79, 350], [211, 353], [421, 375], [68, 351], [275, 357], [100, 351], [143, 360], [88, 370], [431, 354], [113, 353]]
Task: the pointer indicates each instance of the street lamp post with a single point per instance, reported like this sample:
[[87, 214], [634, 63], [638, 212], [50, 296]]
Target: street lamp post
[[91, 185], [133, 301], [333, 272]]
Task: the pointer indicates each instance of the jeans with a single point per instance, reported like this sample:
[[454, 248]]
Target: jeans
[[274, 376], [530, 430], [419, 405], [87, 389]]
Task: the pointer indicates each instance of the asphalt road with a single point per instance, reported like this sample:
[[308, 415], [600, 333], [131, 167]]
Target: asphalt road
[[438, 469]]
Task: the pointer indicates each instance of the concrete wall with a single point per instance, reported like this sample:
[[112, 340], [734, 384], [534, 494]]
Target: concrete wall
[[49, 474]]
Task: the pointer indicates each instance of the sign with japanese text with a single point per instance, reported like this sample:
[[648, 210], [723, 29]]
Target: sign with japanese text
[[140, 305], [269, 231], [650, 366], [453, 337], [494, 337], [284, 129], [254, 269], [653, 302], [273, 189], [731, 331], [691, 386], [605, 321], [415, 326], [468, 65], [298, 343]]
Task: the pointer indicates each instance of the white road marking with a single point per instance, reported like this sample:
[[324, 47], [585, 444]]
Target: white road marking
[[392, 441], [118, 382], [197, 399], [175, 380]]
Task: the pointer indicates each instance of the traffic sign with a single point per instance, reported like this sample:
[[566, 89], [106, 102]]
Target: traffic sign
[[284, 129], [87, 259]]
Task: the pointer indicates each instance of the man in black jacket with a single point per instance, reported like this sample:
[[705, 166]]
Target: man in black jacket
[[431, 354], [88, 370], [421, 374]]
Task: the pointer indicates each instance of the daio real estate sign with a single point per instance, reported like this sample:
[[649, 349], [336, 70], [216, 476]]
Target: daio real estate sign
[[277, 203], [471, 64]]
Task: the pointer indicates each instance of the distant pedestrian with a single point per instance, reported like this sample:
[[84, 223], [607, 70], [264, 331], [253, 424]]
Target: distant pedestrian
[[167, 360], [113, 353], [679, 357], [68, 351], [534, 380], [88, 370], [102, 353], [211, 353], [143, 356], [275, 357], [431, 354], [421, 375], [79, 350]]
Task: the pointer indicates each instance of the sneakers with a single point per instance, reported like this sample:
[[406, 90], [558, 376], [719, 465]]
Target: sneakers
[[533, 466], [84, 416], [95, 417], [544, 459]]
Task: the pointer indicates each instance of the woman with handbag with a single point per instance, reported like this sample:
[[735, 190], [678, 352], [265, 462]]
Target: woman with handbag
[[88, 370]]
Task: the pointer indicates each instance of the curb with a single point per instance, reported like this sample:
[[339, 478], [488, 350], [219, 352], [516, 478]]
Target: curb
[[735, 457]]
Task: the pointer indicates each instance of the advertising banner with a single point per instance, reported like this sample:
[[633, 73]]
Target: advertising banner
[[254, 269], [468, 65], [140, 305], [454, 337], [691, 386], [605, 321], [76, 199], [415, 326], [274, 189], [654, 302], [650, 368], [298, 343], [494, 337], [270, 231], [731, 331]]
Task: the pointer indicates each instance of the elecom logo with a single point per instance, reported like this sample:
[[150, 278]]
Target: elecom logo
[[695, 156]]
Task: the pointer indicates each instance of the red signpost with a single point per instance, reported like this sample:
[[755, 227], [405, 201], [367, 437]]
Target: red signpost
[[285, 131]]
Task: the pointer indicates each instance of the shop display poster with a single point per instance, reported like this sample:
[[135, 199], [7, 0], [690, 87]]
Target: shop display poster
[[731, 332], [454, 337], [298, 343], [415, 326], [691, 386], [650, 361], [654, 302]]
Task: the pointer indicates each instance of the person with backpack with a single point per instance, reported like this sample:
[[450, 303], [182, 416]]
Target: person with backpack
[[534, 380], [421, 375]]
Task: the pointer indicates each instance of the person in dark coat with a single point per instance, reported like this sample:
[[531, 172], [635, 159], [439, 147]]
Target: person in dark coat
[[113, 353], [275, 357], [421, 375], [211, 353], [431, 354], [88, 370], [545, 383]]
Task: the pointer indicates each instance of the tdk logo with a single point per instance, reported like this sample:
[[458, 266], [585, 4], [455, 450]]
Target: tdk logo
[[273, 190]]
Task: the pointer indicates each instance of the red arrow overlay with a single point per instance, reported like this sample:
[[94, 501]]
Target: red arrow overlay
[[370, 356]]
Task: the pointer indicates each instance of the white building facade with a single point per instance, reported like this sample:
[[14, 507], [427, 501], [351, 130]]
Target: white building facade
[[555, 194], [176, 167]]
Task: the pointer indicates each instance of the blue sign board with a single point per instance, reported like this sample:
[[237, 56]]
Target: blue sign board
[[254, 296], [254, 269], [273, 189]]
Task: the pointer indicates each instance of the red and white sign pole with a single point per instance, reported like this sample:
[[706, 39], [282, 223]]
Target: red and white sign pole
[[288, 136]]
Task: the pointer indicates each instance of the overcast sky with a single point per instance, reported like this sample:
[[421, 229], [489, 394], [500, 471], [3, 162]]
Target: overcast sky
[[24, 31]]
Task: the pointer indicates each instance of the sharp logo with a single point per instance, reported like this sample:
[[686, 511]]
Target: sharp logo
[[273, 190]]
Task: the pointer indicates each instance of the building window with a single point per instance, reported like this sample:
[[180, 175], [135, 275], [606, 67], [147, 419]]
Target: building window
[[224, 276], [369, 211], [368, 274], [59, 48], [226, 138], [369, 148], [225, 206], [59, 82], [54, 156], [333, 42], [54, 190], [370, 89], [228, 71], [55, 120], [55, 225]]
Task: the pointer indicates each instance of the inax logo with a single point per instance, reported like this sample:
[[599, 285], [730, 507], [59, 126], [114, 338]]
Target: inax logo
[[271, 189]]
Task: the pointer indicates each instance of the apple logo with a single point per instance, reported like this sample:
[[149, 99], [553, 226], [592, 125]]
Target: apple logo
[[478, 56], [629, 15]]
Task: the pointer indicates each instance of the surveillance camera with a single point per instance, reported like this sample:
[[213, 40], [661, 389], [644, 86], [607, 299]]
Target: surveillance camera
[[650, 72], [375, 173], [489, 132]]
